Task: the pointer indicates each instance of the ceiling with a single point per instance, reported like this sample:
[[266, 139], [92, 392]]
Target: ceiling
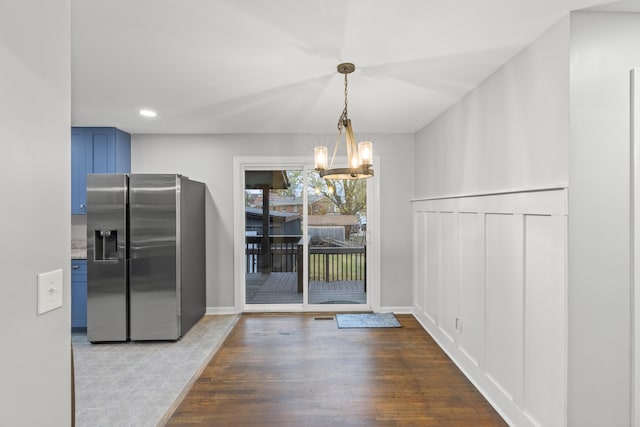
[[269, 66]]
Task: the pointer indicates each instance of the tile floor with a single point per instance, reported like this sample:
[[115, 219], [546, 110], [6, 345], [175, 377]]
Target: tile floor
[[137, 383]]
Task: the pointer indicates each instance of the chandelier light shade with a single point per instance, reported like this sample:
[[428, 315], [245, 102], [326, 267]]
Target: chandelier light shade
[[321, 157], [365, 149], [359, 156]]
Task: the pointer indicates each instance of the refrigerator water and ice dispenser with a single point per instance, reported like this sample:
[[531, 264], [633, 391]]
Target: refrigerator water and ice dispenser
[[105, 245]]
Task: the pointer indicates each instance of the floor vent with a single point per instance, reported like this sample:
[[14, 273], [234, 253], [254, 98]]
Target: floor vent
[[323, 318]]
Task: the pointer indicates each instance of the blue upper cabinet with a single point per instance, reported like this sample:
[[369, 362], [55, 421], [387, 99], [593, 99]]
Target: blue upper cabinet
[[96, 150], [122, 152], [79, 162]]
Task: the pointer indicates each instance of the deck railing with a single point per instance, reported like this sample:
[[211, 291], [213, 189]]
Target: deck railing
[[326, 263], [283, 256], [329, 264]]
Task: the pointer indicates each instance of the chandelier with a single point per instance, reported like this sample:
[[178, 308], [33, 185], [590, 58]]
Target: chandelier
[[359, 157]]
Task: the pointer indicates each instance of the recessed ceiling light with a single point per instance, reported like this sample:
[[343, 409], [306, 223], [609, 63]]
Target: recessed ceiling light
[[148, 113]]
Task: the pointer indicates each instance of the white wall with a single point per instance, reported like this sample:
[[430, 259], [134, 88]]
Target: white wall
[[558, 115], [209, 158], [35, 362], [510, 133], [604, 47], [498, 262]]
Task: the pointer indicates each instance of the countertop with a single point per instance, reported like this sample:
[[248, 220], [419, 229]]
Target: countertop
[[78, 249], [78, 254]]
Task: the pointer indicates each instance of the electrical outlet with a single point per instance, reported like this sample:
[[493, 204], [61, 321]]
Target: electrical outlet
[[459, 326], [49, 291]]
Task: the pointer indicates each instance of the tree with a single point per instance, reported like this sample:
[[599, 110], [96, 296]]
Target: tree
[[348, 195]]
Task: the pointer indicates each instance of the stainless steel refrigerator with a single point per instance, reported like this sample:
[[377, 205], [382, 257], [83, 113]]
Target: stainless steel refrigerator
[[145, 256]]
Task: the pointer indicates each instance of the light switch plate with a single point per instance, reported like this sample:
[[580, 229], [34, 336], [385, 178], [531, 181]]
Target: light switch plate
[[49, 291]]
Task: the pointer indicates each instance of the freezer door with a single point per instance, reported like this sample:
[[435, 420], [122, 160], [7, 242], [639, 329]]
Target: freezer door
[[107, 295], [154, 288]]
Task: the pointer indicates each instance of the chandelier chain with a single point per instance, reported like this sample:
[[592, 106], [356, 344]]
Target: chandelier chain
[[343, 117]]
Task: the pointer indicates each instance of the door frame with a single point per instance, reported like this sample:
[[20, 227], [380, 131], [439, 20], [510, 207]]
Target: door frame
[[242, 164]]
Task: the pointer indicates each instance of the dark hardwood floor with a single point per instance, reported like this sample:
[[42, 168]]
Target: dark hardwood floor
[[300, 370]]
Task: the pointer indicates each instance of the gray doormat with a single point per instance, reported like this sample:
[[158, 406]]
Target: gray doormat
[[367, 320]]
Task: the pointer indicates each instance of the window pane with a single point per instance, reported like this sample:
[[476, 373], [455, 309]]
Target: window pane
[[273, 237], [337, 240]]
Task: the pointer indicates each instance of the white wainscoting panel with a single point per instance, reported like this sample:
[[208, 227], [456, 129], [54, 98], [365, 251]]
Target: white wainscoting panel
[[419, 266], [545, 305], [504, 305], [432, 260], [472, 286], [450, 282], [490, 287]]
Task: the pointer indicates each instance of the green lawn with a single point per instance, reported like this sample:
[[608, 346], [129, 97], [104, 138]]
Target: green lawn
[[338, 266]]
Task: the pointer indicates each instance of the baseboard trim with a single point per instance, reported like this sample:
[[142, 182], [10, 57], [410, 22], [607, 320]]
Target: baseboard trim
[[508, 410], [221, 310], [234, 310], [397, 310]]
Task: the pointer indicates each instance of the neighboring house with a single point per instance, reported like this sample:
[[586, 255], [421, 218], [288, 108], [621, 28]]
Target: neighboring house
[[317, 204], [349, 223], [280, 223]]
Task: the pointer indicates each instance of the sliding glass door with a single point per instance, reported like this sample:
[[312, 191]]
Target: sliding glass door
[[304, 240]]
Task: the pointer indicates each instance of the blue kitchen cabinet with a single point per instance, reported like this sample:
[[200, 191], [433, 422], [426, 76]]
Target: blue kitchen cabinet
[[79, 163], [96, 150], [78, 294]]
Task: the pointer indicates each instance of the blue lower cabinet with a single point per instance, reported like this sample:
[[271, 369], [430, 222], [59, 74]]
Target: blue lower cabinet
[[79, 294]]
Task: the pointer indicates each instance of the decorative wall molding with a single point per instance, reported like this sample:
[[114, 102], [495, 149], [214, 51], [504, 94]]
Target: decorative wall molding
[[490, 287], [493, 193], [550, 201]]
